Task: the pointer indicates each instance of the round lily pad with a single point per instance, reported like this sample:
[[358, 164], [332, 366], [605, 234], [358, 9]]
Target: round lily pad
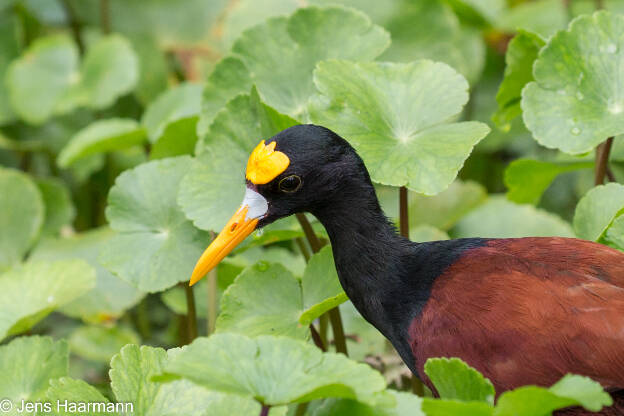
[[273, 370], [214, 186], [396, 116], [100, 137], [21, 216], [156, 246], [574, 103]]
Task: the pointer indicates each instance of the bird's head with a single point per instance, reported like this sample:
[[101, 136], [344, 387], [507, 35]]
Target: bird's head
[[300, 169]]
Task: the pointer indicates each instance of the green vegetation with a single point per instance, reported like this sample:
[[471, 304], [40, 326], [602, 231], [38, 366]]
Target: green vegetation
[[125, 128]]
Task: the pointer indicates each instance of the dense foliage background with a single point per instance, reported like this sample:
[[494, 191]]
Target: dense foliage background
[[125, 126]]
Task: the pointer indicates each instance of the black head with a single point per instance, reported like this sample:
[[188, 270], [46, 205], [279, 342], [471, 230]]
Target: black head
[[303, 168], [323, 166]]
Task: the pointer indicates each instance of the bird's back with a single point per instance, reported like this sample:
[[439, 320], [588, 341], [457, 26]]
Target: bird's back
[[528, 311]]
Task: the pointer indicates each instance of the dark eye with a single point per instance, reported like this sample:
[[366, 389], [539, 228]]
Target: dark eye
[[290, 184]]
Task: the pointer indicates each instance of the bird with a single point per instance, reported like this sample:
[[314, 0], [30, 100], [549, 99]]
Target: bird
[[519, 310]]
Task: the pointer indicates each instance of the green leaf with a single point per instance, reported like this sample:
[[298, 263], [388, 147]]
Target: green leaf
[[248, 13], [39, 81], [274, 370], [585, 391], [153, 69], [446, 208], [528, 179], [264, 299], [571, 390], [521, 53], [212, 191], [442, 38], [293, 305], [597, 209], [394, 115], [26, 366], [500, 218], [170, 24], [41, 288], [102, 136], [281, 53], [432, 407], [456, 380], [111, 296], [615, 233], [179, 138], [66, 390], [21, 216], [229, 78], [99, 343], [46, 80], [59, 208], [544, 17], [573, 104], [321, 287], [131, 380], [110, 69], [156, 246], [424, 232], [406, 404], [478, 12], [9, 50], [177, 103]]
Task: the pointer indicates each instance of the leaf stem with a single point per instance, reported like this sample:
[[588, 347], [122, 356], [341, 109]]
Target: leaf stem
[[302, 408], [417, 385], [212, 301], [316, 337], [105, 16], [74, 25], [602, 159], [265, 410], [339, 336], [403, 212], [323, 324], [334, 314], [212, 298], [303, 248], [191, 314], [314, 241], [143, 322]]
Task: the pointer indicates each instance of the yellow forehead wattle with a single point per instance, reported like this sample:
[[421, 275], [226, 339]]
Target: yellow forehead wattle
[[265, 164]]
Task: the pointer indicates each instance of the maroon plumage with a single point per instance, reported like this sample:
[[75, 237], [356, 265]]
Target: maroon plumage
[[528, 310]]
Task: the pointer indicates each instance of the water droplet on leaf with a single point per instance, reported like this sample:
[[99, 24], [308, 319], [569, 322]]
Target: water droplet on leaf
[[259, 232], [579, 95], [614, 107], [262, 266], [575, 131]]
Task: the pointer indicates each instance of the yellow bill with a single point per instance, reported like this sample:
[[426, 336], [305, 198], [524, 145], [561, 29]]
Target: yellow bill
[[265, 164], [234, 232]]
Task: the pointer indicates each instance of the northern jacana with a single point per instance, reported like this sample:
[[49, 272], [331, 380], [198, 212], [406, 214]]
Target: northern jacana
[[519, 310]]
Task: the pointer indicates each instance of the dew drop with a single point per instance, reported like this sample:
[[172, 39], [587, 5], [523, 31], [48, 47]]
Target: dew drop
[[614, 107], [579, 95], [262, 266], [50, 299], [575, 131], [259, 232], [611, 48]]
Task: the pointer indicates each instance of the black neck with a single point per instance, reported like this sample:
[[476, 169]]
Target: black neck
[[368, 252]]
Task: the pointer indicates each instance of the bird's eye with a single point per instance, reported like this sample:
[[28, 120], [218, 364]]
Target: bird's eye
[[290, 184]]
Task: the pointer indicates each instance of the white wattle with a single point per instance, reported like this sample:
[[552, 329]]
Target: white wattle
[[258, 206]]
